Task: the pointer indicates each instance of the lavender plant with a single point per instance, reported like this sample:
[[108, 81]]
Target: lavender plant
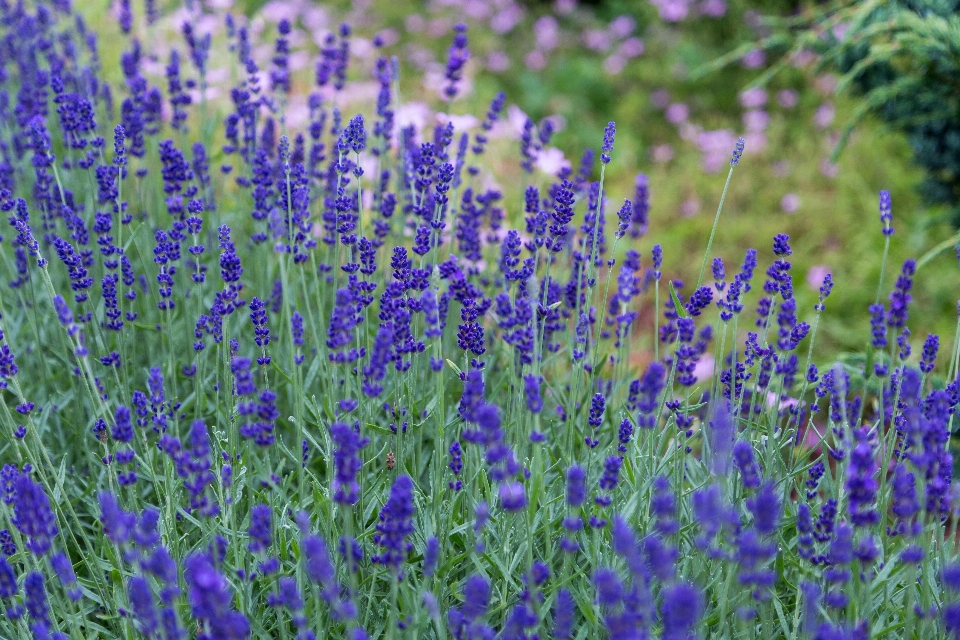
[[333, 391]]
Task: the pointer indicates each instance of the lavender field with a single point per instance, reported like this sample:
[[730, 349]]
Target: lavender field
[[311, 328]]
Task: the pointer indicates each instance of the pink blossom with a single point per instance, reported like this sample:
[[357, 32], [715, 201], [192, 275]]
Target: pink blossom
[[506, 19], [824, 115], [827, 83], [660, 98], [516, 118], [703, 370], [412, 113], [622, 26], [829, 169], [463, 122], [551, 160], [672, 10], [756, 120], [632, 47], [803, 58], [715, 148], [277, 10], [564, 7], [389, 36], [661, 153], [788, 98], [497, 61], [753, 98], [614, 64], [677, 112], [756, 141], [535, 60], [690, 207], [415, 23], [753, 59], [546, 32], [816, 274], [713, 8], [790, 203], [438, 27], [595, 39], [477, 10], [781, 168]]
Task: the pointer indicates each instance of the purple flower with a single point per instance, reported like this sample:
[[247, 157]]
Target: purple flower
[[861, 484], [261, 516], [765, 507], [930, 347], [32, 515], [576, 485], [737, 152], [512, 496], [900, 296], [886, 213], [211, 600], [347, 461], [64, 569], [681, 610], [563, 610], [395, 526], [746, 464], [457, 57], [609, 133]]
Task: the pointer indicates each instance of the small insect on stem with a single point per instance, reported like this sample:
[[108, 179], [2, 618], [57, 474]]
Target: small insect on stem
[[391, 461]]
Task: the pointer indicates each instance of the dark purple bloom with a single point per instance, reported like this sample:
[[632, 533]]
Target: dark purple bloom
[[681, 611], [347, 462], [261, 517], [118, 525], [900, 296], [737, 152], [211, 600], [886, 213], [930, 347], [744, 461], [457, 57], [608, 136], [531, 388], [765, 507], [576, 485], [32, 514], [861, 484], [512, 496], [396, 526]]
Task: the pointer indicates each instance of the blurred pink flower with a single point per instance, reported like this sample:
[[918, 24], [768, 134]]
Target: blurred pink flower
[[827, 83], [497, 61], [803, 58], [516, 118], [816, 274], [790, 203], [713, 8], [389, 36], [506, 19], [535, 60], [564, 7], [277, 10], [660, 98], [614, 64], [477, 10], [703, 370], [546, 32], [661, 153], [756, 141], [677, 112], [622, 26], [829, 169], [463, 122], [632, 47], [672, 10], [781, 168], [715, 148], [412, 113], [755, 120], [415, 23], [690, 207], [438, 27], [788, 98], [551, 160], [753, 59], [824, 115], [840, 30], [595, 39], [753, 98]]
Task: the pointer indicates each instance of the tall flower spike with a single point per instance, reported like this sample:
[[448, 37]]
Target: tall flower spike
[[609, 133], [737, 152], [395, 526], [886, 213], [457, 58]]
